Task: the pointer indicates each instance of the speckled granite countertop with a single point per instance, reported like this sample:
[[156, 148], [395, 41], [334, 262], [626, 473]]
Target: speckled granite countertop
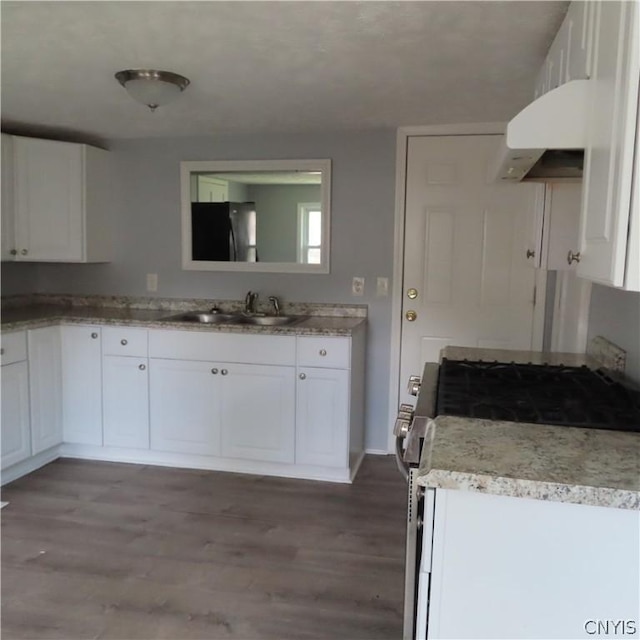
[[41, 311], [563, 464]]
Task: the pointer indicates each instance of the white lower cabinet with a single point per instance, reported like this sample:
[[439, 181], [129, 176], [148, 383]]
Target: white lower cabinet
[[184, 407], [16, 429], [257, 403], [125, 401], [322, 417], [82, 384], [257, 412], [45, 388]]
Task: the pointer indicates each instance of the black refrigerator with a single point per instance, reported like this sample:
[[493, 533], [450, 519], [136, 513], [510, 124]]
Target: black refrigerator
[[224, 231]]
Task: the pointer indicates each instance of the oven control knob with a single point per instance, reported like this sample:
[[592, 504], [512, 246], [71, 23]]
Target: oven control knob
[[414, 385], [401, 428], [405, 412]]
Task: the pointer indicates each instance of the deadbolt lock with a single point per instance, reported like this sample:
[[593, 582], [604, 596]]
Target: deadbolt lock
[[411, 316], [412, 294]]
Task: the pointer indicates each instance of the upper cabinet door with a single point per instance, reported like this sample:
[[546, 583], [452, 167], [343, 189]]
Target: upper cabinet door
[[63, 197], [49, 200], [609, 156], [8, 203]]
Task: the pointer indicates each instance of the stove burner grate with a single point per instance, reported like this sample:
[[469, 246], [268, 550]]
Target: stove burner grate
[[544, 394]]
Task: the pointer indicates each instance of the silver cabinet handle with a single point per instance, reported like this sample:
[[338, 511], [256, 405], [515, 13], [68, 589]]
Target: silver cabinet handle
[[224, 372], [530, 254], [24, 252], [323, 352], [142, 367], [124, 343], [13, 252], [303, 376], [94, 335], [214, 371], [573, 257]]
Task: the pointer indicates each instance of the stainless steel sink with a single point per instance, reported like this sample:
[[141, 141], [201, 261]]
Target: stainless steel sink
[[234, 318], [271, 321], [206, 318]]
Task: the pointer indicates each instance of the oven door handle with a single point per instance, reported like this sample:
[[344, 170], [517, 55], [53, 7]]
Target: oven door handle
[[403, 467]]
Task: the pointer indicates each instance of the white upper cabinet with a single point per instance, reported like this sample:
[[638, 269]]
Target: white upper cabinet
[[8, 248], [61, 195], [569, 56], [606, 216]]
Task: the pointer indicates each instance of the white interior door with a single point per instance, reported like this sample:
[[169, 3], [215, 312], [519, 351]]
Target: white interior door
[[466, 241]]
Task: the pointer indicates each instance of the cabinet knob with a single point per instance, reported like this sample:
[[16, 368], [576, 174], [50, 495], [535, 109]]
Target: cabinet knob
[[411, 315], [224, 372], [530, 254], [214, 371], [412, 293], [13, 252], [303, 376], [323, 352], [573, 257], [142, 367], [24, 252], [124, 342], [94, 335]]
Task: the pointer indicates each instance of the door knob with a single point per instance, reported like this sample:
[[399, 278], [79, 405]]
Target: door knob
[[412, 294], [573, 257], [411, 316]]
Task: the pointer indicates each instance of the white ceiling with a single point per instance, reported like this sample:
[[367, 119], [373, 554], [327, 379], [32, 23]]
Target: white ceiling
[[271, 66]]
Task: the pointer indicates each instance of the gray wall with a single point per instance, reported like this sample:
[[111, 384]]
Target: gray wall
[[615, 315], [19, 278], [277, 218], [147, 220]]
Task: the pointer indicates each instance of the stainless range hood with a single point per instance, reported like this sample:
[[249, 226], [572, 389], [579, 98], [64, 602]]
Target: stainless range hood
[[546, 140]]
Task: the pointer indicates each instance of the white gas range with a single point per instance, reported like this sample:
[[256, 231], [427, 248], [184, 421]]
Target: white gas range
[[552, 394]]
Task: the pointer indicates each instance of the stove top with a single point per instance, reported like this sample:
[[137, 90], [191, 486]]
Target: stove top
[[546, 394]]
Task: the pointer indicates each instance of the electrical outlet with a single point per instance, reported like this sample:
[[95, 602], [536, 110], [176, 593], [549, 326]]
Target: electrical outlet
[[357, 286], [382, 287], [152, 281]]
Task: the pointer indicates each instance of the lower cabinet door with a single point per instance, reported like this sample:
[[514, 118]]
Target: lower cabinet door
[[16, 432], [125, 401], [258, 412], [82, 384], [45, 388], [184, 406], [322, 408]]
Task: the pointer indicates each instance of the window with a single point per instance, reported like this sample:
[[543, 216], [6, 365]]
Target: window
[[309, 233]]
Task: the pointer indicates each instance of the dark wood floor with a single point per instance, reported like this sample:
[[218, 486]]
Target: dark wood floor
[[102, 550]]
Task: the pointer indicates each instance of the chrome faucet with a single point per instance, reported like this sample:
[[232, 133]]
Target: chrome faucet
[[250, 302], [276, 304]]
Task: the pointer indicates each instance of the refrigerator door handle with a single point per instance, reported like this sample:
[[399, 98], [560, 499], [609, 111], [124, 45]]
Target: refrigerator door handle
[[232, 244]]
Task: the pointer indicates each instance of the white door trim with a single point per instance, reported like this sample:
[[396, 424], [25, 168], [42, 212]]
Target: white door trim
[[403, 135]]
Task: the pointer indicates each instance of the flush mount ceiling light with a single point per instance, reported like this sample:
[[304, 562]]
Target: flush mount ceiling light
[[151, 87]]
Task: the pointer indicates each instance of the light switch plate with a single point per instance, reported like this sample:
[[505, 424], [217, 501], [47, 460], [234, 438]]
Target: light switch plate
[[357, 286], [382, 287], [152, 281]]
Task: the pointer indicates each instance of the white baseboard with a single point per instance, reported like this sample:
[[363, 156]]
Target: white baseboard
[[30, 464], [377, 452]]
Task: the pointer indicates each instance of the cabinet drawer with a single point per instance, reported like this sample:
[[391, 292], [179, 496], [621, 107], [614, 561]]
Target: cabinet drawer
[[222, 347], [124, 341], [324, 352], [14, 347]]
